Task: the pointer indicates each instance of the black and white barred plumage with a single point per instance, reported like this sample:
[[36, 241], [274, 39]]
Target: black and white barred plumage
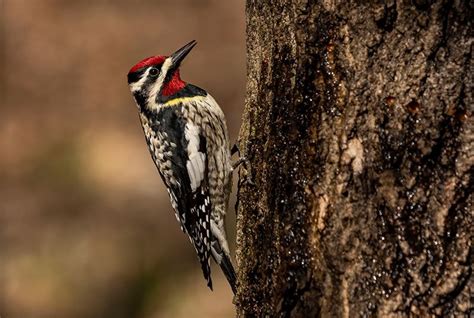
[[187, 136]]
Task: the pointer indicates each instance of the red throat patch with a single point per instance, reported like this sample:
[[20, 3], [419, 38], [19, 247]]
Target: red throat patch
[[149, 61], [173, 86]]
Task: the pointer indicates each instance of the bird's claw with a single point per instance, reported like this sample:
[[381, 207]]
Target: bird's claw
[[242, 160]]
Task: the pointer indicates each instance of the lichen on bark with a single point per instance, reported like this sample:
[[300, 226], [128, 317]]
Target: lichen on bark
[[358, 127]]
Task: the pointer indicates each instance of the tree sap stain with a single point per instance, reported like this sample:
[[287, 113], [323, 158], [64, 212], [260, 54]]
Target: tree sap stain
[[393, 232], [390, 101]]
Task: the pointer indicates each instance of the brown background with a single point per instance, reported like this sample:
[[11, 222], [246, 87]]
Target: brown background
[[86, 228]]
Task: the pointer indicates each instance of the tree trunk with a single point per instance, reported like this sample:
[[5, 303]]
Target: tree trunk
[[359, 131]]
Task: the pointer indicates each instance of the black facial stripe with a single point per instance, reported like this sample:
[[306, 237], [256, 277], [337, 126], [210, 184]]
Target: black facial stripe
[[146, 86], [135, 76], [140, 98], [150, 80]]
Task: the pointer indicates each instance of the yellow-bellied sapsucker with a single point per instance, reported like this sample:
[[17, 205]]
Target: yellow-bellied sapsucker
[[187, 137]]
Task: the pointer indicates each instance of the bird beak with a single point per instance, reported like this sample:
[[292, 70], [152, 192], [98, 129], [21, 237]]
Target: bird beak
[[180, 54]]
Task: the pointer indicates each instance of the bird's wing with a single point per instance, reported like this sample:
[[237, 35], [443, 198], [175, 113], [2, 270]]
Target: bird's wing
[[186, 177]]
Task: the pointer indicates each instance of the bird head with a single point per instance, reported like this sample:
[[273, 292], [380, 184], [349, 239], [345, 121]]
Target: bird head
[[158, 75]]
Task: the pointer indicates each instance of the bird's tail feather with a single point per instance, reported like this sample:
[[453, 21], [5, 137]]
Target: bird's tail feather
[[229, 272]]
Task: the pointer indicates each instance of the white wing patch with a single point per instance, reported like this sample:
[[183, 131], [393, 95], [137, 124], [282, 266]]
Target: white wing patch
[[196, 162]]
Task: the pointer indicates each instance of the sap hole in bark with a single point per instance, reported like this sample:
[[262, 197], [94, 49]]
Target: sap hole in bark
[[390, 101], [413, 107], [461, 115]]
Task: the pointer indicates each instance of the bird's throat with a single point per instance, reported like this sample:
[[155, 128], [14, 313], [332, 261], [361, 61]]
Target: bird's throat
[[173, 86]]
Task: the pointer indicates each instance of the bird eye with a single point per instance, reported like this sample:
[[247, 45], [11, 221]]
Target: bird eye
[[153, 71]]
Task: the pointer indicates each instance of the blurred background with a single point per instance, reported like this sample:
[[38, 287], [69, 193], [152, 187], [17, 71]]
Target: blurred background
[[86, 228]]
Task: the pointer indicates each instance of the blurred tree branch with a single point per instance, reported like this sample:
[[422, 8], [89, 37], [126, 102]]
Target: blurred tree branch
[[358, 125]]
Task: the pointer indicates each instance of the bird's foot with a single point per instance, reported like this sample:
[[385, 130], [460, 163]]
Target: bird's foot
[[242, 160]]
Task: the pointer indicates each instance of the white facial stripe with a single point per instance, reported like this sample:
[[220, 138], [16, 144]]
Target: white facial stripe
[[138, 85], [155, 89]]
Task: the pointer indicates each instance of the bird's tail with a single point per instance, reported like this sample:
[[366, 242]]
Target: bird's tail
[[223, 259], [229, 272]]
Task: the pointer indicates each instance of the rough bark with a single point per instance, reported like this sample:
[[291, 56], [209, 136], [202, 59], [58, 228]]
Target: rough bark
[[358, 127]]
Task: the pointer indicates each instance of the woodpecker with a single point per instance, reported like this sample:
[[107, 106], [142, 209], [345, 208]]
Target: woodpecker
[[187, 137]]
